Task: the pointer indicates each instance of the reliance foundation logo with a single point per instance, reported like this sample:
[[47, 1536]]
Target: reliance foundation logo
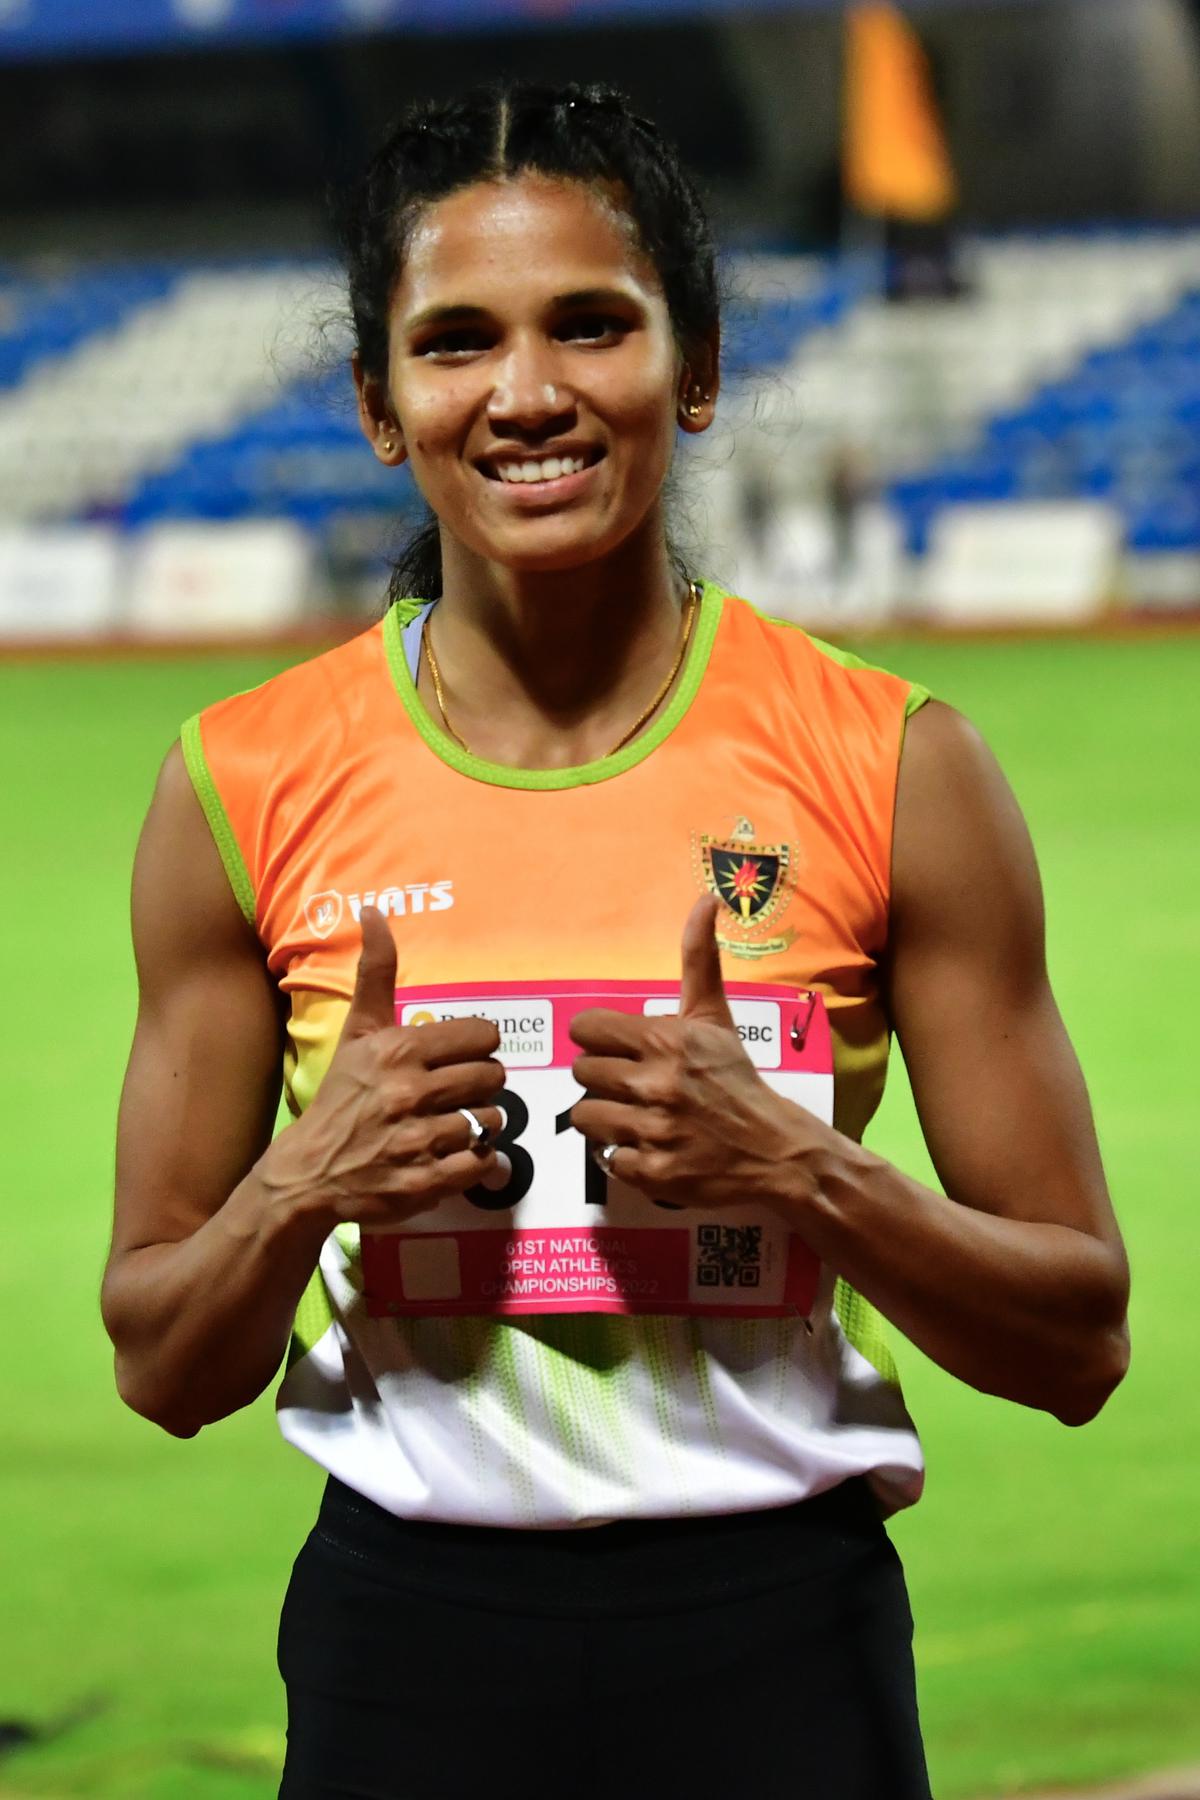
[[526, 1025]]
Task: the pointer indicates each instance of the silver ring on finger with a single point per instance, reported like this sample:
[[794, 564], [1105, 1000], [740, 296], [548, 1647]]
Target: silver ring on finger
[[604, 1154], [481, 1137]]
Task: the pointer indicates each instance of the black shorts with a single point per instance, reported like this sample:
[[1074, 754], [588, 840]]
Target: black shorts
[[754, 1656]]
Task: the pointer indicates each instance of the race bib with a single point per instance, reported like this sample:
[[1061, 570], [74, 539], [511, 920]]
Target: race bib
[[562, 1236]]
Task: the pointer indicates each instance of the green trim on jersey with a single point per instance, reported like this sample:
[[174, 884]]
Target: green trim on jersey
[[603, 768], [863, 1326], [218, 818], [314, 1316], [918, 696]]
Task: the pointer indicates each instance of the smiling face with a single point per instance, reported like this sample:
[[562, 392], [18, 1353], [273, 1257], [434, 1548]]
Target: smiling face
[[534, 381]]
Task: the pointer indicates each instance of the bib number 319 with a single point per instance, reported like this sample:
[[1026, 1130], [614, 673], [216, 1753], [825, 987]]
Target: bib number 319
[[561, 1236]]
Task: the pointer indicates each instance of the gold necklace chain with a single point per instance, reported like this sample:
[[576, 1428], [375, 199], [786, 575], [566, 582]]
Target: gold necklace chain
[[685, 639]]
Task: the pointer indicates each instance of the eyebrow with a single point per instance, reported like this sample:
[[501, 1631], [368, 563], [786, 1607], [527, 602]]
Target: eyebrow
[[445, 315], [462, 313], [599, 296]]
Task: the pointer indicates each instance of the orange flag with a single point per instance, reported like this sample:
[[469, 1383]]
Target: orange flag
[[896, 163]]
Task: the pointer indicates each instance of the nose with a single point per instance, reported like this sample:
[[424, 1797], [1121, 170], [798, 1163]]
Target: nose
[[529, 398]]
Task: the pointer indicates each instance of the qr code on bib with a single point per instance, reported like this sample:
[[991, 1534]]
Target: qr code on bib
[[728, 1255]]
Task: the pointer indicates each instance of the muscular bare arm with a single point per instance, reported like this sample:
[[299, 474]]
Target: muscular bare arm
[[217, 1230], [196, 1113], [1018, 1281]]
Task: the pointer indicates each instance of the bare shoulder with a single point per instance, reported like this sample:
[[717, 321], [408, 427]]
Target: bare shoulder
[[182, 898], [963, 863], [947, 762], [998, 1088]]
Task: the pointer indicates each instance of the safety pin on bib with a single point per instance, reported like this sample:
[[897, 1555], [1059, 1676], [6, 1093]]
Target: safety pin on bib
[[801, 1023]]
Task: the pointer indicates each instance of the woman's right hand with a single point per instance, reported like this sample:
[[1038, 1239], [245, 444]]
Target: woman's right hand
[[384, 1138]]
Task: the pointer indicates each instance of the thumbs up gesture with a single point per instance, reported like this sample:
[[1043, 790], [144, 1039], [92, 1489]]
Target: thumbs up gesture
[[373, 1003], [385, 1137], [696, 1123], [702, 986]]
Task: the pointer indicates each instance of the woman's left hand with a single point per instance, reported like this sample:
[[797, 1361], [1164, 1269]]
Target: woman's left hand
[[697, 1124]]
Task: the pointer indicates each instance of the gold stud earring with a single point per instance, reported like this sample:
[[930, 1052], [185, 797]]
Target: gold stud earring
[[388, 446], [695, 408]]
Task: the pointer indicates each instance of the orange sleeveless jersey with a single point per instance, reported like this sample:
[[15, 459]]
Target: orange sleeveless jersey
[[331, 786]]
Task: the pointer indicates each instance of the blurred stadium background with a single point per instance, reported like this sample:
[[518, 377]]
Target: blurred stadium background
[[960, 421]]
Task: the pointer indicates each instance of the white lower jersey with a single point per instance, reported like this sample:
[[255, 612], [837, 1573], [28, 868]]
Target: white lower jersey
[[566, 1353]]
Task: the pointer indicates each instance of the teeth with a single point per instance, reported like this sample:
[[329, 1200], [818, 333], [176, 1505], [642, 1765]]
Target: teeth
[[550, 469]]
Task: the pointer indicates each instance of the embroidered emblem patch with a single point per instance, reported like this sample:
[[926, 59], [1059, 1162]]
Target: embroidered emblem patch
[[754, 883]]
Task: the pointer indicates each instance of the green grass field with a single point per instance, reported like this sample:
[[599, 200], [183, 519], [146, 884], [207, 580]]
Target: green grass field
[[1055, 1575]]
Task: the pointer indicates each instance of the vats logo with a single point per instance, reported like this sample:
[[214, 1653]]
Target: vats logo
[[324, 911]]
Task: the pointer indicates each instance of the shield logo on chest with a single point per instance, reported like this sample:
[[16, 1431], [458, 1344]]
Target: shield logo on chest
[[754, 882]]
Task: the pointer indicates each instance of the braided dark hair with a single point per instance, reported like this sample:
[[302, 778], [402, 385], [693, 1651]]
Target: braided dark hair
[[587, 134]]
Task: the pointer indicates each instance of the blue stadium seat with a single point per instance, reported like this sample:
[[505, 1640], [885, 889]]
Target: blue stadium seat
[[46, 317], [1122, 426]]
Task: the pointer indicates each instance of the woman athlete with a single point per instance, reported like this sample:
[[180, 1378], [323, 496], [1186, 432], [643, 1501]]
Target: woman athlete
[[608, 1545]]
